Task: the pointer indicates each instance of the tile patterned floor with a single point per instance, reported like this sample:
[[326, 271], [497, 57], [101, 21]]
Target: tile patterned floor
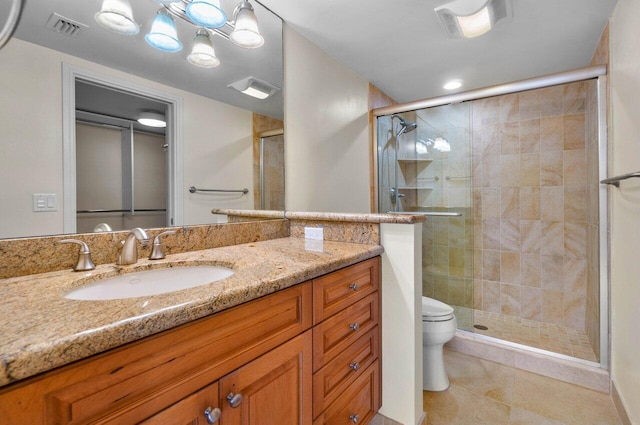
[[383, 420], [487, 393], [545, 336]]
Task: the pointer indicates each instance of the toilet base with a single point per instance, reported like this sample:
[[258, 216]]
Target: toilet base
[[434, 376]]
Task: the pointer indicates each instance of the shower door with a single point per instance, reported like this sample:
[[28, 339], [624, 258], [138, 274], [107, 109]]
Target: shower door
[[426, 169], [272, 172]]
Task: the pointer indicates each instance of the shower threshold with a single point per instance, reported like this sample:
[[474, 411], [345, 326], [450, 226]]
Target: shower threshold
[[543, 336]]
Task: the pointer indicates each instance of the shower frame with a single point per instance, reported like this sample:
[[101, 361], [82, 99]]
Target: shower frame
[[598, 73]]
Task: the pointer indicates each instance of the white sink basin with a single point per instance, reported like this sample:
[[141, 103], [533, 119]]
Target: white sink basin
[[149, 282]]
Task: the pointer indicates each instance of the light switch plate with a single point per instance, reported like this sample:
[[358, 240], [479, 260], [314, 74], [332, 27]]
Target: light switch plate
[[315, 233], [45, 202]]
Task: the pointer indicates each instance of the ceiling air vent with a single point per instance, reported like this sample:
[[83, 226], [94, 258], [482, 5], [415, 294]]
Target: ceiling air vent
[[64, 26]]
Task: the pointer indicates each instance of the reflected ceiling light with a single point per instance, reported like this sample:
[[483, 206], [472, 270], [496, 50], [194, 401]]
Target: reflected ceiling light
[[116, 15], [202, 53], [254, 87], [246, 33], [453, 84], [206, 13], [152, 119], [441, 144], [163, 35], [472, 18]]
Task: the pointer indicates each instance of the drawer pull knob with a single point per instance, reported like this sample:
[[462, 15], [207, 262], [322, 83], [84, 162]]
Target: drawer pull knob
[[354, 418], [354, 326], [234, 399], [212, 415], [354, 366], [354, 286]]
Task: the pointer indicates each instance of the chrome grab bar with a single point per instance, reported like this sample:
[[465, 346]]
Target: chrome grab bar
[[617, 179], [428, 213], [193, 189]]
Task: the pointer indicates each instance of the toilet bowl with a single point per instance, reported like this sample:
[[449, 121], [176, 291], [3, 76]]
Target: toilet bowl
[[438, 327]]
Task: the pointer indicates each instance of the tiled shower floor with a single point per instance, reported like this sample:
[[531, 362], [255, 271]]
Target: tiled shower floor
[[545, 336]]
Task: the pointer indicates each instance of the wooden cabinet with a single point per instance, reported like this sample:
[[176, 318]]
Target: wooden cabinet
[[346, 345], [274, 389], [259, 363], [193, 410]]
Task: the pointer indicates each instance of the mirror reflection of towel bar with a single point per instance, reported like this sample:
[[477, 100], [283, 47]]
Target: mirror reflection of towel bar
[[616, 180], [193, 189], [428, 213]]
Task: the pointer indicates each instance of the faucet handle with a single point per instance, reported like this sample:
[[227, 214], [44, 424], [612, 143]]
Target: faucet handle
[[157, 253], [84, 262]]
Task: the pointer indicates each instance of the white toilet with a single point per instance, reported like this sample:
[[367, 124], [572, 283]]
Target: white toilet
[[438, 327]]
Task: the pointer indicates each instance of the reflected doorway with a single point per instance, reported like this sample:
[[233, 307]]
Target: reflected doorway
[[118, 173], [272, 170]]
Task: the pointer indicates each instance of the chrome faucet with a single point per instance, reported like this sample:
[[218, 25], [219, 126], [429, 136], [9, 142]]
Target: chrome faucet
[[129, 253], [84, 262]]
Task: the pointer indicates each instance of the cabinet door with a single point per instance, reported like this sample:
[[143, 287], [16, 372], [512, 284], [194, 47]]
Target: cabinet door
[[191, 410], [274, 389]]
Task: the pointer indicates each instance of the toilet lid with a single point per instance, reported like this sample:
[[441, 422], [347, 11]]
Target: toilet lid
[[435, 308]]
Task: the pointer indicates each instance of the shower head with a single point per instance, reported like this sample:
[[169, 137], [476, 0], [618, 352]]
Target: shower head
[[406, 127]]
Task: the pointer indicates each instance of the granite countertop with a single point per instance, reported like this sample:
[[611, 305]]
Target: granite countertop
[[407, 217], [41, 330]]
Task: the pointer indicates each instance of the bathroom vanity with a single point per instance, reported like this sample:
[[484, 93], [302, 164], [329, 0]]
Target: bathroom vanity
[[270, 346]]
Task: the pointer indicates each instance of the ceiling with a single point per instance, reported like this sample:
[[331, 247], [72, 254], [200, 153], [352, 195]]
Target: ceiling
[[401, 47], [132, 55]]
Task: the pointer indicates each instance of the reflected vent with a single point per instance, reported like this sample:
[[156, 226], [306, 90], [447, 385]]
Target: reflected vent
[[64, 26]]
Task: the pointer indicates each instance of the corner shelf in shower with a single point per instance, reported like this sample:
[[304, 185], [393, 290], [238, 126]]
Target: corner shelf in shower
[[414, 188]]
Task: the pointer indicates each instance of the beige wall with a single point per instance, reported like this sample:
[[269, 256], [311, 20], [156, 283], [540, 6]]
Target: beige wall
[[217, 141], [326, 131], [625, 205]]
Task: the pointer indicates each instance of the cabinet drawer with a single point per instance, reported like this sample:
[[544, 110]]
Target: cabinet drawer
[[358, 403], [342, 329], [337, 290], [339, 373], [133, 383], [190, 411]]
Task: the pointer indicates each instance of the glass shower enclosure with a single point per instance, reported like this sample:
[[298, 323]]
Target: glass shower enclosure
[[515, 236]]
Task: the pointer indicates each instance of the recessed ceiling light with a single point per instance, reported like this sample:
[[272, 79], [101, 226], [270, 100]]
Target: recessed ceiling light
[[152, 119], [254, 87], [452, 85], [472, 18]]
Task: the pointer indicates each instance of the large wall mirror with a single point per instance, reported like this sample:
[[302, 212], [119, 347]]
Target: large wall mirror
[[215, 137]]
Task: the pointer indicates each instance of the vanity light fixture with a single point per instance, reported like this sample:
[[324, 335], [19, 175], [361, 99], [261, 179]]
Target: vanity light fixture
[[116, 15], [254, 87], [206, 15], [472, 18], [202, 53], [163, 35], [152, 119], [453, 84]]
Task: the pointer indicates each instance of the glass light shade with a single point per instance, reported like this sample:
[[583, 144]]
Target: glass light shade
[[246, 32], [202, 53], [476, 24], [116, 15], [152, 119], [163, 35], [206, 13]]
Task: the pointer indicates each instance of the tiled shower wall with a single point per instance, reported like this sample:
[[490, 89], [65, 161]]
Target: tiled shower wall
[[530, 203]]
